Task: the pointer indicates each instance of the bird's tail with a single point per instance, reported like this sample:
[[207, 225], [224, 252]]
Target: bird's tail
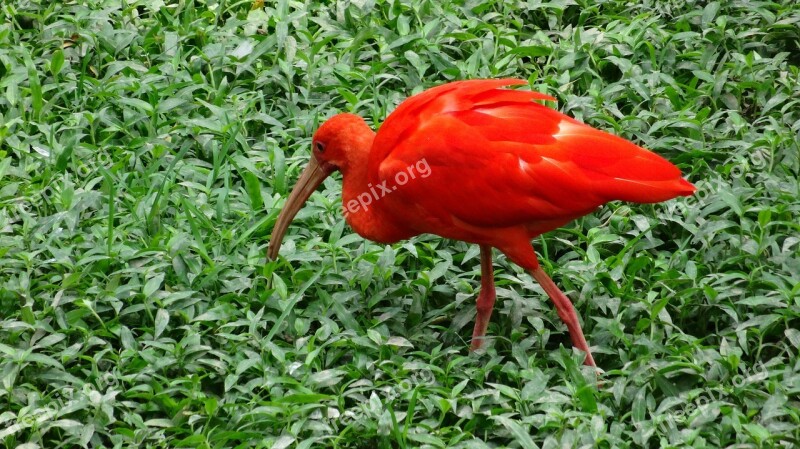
[[621, 169]]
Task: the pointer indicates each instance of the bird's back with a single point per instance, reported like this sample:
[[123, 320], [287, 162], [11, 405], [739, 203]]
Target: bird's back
[[497, 159]]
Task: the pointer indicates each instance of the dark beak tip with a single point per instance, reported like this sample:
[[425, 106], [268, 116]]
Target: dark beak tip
[[273, 250]]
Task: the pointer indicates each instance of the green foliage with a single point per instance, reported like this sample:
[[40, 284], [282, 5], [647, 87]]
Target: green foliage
[[145, 149]]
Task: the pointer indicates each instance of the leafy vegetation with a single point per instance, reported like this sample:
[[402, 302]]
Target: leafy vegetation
[[145, 149]]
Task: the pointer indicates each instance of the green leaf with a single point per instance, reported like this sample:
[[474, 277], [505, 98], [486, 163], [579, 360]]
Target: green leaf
[[56, 62], [521, 436], [253, 186], [304, 398], [35, 86], [210, 406], [162, 321], [8, 350], [587, 399], [44, 360], [153, 284], [709, 13], [137, 104], [532, 51], [63, 158]]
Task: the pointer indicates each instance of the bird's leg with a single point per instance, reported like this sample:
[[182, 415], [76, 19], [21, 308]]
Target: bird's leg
[[565, 311], [485, 302]]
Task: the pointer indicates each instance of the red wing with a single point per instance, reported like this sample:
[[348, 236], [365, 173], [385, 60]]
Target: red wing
[[497, 159]]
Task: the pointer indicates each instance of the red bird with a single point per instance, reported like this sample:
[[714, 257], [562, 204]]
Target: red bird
[[471, 161]]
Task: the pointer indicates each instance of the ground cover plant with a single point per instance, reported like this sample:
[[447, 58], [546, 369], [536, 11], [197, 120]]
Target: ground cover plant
[[146, 147]]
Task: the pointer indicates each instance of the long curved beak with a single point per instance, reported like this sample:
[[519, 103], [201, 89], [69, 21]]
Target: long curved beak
[[310, 179]]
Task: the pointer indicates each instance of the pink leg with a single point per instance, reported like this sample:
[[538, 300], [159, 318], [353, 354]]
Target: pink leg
[[486, 298], [565, 311]]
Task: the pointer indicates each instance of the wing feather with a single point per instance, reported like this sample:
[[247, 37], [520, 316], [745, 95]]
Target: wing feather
[[498, 159]]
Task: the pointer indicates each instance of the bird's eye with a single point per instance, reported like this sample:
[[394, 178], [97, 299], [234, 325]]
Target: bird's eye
[[320, 147]]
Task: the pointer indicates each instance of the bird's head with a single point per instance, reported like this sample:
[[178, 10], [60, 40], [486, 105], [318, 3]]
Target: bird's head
[[341, 142]]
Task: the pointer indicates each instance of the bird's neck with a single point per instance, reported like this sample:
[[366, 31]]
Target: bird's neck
[[361, 198]]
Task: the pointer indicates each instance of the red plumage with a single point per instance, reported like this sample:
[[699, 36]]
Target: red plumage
[[497, 159]]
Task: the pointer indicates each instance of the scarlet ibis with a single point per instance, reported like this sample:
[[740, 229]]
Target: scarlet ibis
[[471, 161]]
